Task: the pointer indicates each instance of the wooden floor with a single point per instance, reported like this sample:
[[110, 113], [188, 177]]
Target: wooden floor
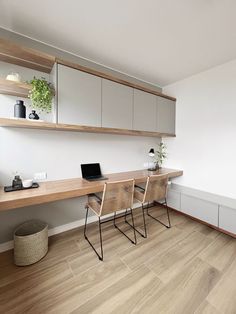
[[189, 268]]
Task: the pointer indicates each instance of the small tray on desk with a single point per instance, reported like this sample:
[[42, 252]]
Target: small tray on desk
[[12, 189]]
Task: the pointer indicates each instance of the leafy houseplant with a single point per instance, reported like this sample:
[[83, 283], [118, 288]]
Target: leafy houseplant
[[161, 154], [158, 156], [41, 94]]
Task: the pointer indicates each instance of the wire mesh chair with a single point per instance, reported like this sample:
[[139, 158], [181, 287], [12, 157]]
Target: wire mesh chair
[[117, 195], [155, 190]]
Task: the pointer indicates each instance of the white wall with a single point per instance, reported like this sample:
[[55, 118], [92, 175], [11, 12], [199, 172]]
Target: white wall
[[205, 146], [60, 155]]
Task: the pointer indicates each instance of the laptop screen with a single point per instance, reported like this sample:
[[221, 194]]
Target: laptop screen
[[90, 170]]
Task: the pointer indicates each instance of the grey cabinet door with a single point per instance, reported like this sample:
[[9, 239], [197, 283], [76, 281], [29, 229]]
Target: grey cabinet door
[[227, 219], [165, 115], [117, 105], [79, 97], [145, 111]]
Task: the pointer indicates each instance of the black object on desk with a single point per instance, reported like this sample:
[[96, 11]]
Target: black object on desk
[[14, 188], [92, 172], [17, 182]]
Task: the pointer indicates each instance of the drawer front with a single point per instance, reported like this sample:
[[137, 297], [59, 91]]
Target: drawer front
[[227, 219], [203, 210], [173, 199]]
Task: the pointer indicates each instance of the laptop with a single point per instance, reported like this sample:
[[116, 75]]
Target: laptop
[[92, 172]]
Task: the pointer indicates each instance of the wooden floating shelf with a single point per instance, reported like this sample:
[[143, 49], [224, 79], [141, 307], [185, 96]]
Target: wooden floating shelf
[[27, 124], [25, 57], [14, 88]]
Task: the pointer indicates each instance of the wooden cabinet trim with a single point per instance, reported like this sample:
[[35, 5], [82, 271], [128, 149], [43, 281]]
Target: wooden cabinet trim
[[24, 123], [26, 57]]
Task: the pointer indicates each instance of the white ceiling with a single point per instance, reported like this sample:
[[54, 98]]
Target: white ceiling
[[159, 41]]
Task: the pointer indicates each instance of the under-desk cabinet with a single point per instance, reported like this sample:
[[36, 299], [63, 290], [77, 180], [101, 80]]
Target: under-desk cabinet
[[79, 97], [201, 209], [145, 111], [227, 219]]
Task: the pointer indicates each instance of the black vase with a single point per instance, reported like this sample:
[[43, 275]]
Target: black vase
[[33, 115], [19, 109]]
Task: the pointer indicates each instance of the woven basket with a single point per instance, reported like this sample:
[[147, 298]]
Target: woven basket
[[30, 242]]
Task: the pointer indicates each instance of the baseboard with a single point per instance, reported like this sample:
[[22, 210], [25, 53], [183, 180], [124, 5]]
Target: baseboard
[[6, 246], [79, 223], [53, 231], [200, 221], [70, 226], [59, 229], [205, 223]]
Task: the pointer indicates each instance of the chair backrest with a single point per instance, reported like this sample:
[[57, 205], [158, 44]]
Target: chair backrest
[[156, 188], [117, 195]]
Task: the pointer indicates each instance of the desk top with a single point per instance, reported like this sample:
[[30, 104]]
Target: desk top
[[50, 191]]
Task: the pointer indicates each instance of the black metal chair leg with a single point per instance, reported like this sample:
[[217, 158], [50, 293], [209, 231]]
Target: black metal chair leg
[[144, 224], [126, 211], [85, 224], [147, 208], [100, 233], [114, 220], [132, 216], [114, 223], [168, 216]]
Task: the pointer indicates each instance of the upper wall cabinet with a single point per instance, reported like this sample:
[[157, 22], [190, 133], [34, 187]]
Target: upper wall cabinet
[[86, 98], [145, 111], [165, 115], [79, 97], [117, 105]]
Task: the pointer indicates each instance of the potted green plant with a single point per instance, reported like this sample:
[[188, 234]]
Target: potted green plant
[[161, 154], [158, 156], [41, 94]]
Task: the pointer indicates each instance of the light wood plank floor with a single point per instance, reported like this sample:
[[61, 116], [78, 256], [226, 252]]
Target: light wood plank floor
[[189, 268]]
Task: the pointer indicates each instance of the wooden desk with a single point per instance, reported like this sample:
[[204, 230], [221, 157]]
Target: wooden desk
[[63, 189]]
